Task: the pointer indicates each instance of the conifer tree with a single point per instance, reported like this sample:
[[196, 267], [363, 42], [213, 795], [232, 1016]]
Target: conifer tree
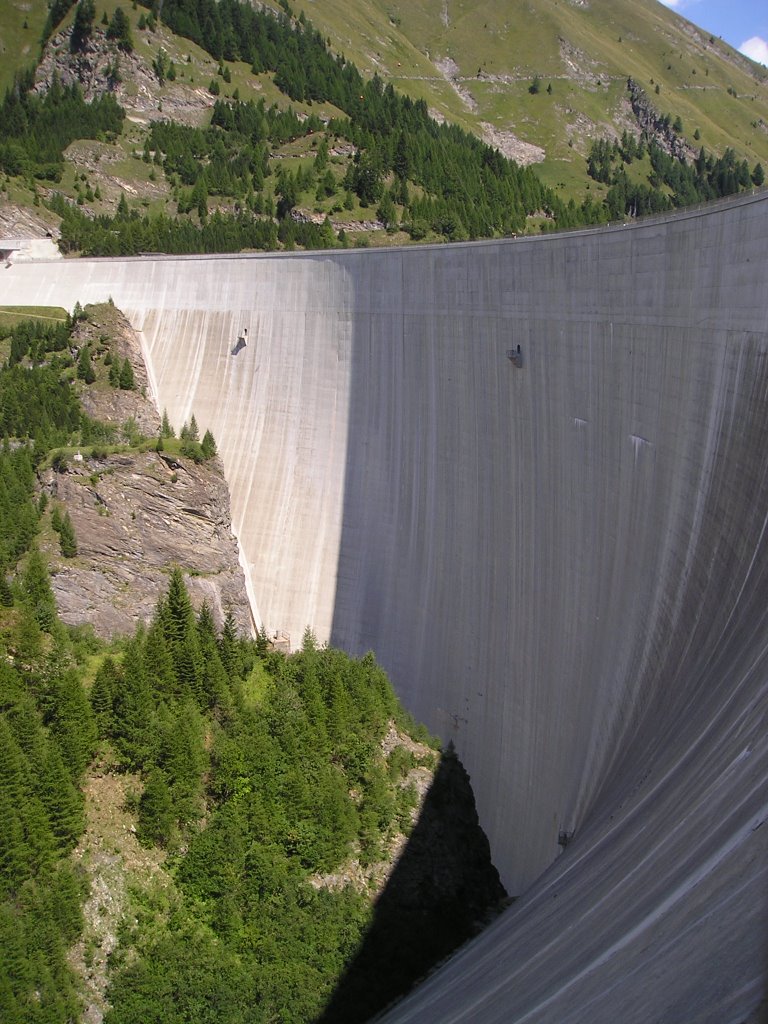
[[72, 723], [228, 646], [11, 765], [119, 29], [158, 660], [14, 853], [215, 682], [67, 539], [103, 692], [56, 519], [156, 812], [37, 590], [61, 800], [208, 445], [85, 371], [185, 760], [38, 835], [127, 381], [134, 718], [178, 620]]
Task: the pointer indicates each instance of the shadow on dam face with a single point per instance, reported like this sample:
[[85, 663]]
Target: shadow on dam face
[[563, 566]]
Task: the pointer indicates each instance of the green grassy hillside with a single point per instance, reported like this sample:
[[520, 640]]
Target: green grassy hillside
[[540, 80], [475, 60]]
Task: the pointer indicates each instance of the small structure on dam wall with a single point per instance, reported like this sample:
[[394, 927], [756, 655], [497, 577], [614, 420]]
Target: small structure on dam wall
[[563, 565]]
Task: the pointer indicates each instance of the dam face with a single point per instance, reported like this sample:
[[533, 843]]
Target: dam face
[[563, 564]]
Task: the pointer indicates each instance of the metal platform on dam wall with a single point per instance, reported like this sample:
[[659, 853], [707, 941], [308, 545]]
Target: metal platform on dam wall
[[563, 564]]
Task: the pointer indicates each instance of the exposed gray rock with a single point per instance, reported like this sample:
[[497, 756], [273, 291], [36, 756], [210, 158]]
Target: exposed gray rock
[[136, 86], [107, 327], [657, 127], [135, 516]]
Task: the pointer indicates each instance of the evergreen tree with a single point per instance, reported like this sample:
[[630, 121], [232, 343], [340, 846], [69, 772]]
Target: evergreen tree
[[67, 539], [83, 25], [156, 812], [103, 693], [184, 760], [228, 646], [14, 853], [134, 717], [166, 429], [127, 382], [158, 662], [56, 518], [72, 723], [61, 800], [208, 445], [178, 621], [37, 590], [119, 30]]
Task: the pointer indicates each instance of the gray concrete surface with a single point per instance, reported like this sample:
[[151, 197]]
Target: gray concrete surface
[[564, 566]]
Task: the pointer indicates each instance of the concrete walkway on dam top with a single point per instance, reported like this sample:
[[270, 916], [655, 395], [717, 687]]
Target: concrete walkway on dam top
[[563, 565]]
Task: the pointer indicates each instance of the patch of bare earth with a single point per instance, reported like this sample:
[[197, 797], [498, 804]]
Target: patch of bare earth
[[511, 146], [373, 878], [449, 69], [114, 861], [580, 67]]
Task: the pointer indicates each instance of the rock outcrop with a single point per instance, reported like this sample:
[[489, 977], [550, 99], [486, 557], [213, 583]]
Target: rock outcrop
[[100, 67], [656, 127], [135, 516], [139, 512], [107, 328]]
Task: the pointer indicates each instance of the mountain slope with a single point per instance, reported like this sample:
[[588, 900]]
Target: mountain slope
[[540, 80], [475, 60]]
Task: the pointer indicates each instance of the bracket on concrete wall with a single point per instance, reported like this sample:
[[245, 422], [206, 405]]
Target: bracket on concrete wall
[[515, 356], [564, 837]]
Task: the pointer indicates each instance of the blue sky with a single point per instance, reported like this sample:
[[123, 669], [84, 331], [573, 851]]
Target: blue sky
[[742, 23]]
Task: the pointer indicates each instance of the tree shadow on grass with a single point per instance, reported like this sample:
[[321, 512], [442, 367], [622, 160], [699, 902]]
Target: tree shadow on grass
[[443, 890]]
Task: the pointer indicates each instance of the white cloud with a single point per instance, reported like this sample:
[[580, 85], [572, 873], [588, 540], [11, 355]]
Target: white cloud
[[679, 5], [756, 48]]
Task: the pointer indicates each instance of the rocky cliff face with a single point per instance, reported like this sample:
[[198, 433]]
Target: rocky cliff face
[[656, 127], [138, 512], [101, 67], [107, 330]]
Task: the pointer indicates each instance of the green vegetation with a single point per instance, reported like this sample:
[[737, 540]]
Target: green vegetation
[[352, 148], [466, 189], [36, 130], [669, 181], [262, 777], [47, 729], [288, 787], [11, 316]]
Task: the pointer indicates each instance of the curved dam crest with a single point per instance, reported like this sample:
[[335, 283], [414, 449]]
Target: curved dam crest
[[563, 565]]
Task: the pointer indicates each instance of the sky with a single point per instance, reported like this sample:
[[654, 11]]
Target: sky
[[742, 23]]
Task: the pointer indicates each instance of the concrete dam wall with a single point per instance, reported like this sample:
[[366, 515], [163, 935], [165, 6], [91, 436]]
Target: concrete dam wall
[[563, 565]]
